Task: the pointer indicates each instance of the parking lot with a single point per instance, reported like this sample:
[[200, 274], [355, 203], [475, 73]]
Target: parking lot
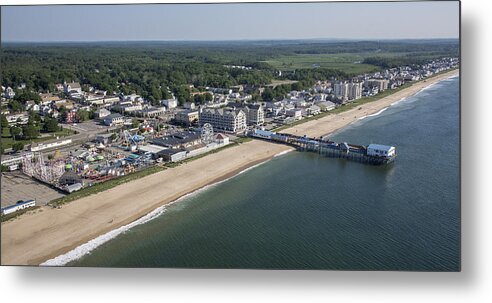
[[87, 127], [17, 186]]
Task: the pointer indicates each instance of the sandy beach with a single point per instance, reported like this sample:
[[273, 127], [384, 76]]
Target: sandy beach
[[36, 237]]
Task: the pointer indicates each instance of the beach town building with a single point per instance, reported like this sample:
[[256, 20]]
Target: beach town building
[[229, 120], [255, 114], [9, 93], [341, 90], [31, 105], [170, 103], [72, 88], [172, 155], [189, 105], [222, 139], [127, 107], [48, 98], [187, 117], [113, 119], [151, 112], [101, 113], [381, 84], [313, 110], [355, 90], [295, 113], [15, 119], [19, 206], [179, 140], [326, 105], [381, 150]]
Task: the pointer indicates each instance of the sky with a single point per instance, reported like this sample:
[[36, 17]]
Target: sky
[[391, 20]]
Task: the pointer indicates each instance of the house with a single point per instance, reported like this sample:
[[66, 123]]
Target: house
[[313, 110], [294, 113], [72, 88], [222, 139], [9, 93], [21, 118], [101, 113], [113, 119], [71, 116], [49, 98], [59, 87], [31, 105], [326, 105]]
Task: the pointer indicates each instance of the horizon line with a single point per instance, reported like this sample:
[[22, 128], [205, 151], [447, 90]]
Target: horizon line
[[231, 40]]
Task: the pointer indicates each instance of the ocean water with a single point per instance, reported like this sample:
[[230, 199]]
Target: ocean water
[[304, 211]]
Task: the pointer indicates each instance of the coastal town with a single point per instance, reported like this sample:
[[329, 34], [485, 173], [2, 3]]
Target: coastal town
[[79, 136]]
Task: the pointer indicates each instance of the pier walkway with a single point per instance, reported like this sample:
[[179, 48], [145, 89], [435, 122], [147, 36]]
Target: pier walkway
[[374, 154]]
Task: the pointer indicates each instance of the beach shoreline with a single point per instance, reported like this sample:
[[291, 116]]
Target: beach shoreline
[[34, 238]]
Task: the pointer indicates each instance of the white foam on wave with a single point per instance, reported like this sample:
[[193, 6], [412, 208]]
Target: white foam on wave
[[283, 153], [396, 102], [88, 247], [375, 114]]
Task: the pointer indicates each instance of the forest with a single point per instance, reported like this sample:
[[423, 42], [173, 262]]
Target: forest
[[155, 69]]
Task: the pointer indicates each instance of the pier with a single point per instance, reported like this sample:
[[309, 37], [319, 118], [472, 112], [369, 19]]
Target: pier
[[375, 154]]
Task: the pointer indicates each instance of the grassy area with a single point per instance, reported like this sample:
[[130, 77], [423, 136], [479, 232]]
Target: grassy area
[[346, 62], [8, 141], [354, 104], [18, 213], [281, 82]]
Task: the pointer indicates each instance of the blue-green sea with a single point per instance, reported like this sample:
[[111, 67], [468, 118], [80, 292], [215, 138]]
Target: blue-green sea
[[304, 211]]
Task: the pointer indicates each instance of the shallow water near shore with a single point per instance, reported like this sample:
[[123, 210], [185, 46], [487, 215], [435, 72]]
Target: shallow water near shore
[[305, 211]]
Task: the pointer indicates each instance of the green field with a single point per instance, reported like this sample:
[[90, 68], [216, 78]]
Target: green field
[[8, 141], [346, 62]]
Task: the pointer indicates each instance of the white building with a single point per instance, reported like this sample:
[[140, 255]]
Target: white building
[[189, 105], [255, 114], [341, 90], [224, 119], [355, 90], [170, 103], [295, 113], [101, 113], [379, 150], [72, 88], [9, 93], [113, 119], [19, 206]]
